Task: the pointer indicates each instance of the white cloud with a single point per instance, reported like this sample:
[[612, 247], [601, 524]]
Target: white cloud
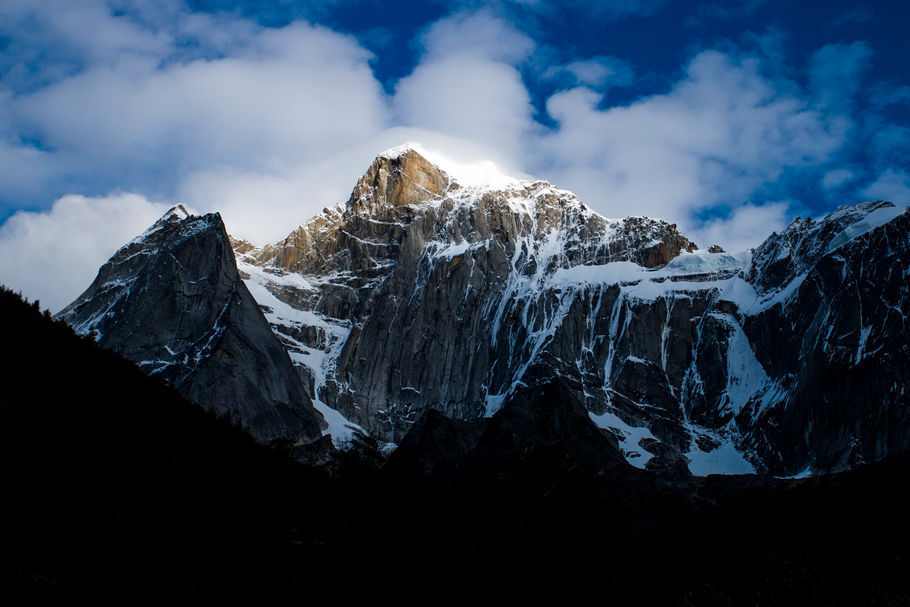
[[54, 256], [892, 185], [294, 91], [468, 97], [837, 178], [269, 125], [479, 34], [745, 228], [596, 72], [467, 86], [721, 133], [85, 30], [24, 170]]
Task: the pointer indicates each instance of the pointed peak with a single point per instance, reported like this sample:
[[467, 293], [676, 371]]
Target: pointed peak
[[482, 174], [177, 212], [853, 211], [175, 217], [400, 150], [181, 210], [399, 177]]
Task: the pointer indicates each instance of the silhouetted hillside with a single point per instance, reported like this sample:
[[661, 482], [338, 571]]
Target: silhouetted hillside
[[115, 484], [118, 489]]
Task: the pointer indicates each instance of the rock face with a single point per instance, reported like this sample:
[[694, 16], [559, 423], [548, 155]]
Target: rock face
[[173, 302], [834, 342], [456, 289], [422, 296], [426, 290]]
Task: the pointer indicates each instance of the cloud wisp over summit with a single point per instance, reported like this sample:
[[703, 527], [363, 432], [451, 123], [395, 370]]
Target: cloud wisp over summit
[[105, 107]]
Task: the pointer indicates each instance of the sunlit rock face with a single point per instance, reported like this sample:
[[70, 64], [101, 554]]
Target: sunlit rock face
[[422, 292], [428, 276], [173, 302], [451, 287]]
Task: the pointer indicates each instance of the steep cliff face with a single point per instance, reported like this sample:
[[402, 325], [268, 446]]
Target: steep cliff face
[[172, 301], [834, 342], [429, 290], [419, 297], [453, 288]]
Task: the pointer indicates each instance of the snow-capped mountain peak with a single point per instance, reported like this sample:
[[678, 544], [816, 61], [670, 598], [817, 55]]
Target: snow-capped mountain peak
[[482, 175], [421, 292]]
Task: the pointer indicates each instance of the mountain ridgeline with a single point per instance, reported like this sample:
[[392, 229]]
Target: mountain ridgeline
[[431, 290]]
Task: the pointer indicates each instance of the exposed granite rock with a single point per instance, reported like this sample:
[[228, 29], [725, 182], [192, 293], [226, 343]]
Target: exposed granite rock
[[423, 266], [837, 349], [451, 294], [398, 180], [422, 293], [172, 301]]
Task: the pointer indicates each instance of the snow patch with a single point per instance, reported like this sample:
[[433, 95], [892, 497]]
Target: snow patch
[[629, 437], [806, 473], [748, 301], [340, 428], [724, 459], [319, 362], [745, 375], [701, 262], [870, 221]]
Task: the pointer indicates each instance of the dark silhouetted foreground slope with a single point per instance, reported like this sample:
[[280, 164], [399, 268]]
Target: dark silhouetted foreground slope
[[116, 488], [116, 485]]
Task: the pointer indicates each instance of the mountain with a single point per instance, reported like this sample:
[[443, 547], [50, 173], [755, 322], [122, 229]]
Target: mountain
[[173, 302], [389, 300], [450, 287], [436, 287]]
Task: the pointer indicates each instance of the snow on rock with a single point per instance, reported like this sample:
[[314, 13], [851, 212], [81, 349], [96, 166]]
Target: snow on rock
[[630, 437], [484, 175], [866, 223], [745, 375], [702, 262], [287, 321], [724, 459], [445, 284]]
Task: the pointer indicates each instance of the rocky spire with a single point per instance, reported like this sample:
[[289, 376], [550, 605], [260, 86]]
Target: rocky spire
[[173, 302], [398, 177]]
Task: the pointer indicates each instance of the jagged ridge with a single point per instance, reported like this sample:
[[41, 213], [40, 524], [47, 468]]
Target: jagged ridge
[[411, 231], [440, 295], [430, 288]]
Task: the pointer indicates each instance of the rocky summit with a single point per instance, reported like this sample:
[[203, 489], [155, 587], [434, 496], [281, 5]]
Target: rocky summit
[[173, 302], [446, 288]]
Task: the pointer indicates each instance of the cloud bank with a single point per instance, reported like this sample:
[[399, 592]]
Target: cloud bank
[[269, 125]]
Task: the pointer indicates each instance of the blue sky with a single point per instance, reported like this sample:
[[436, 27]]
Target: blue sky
[[728, 118]]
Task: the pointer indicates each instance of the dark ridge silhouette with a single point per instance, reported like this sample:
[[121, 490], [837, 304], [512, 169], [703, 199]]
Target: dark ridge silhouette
[[116, 489]]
